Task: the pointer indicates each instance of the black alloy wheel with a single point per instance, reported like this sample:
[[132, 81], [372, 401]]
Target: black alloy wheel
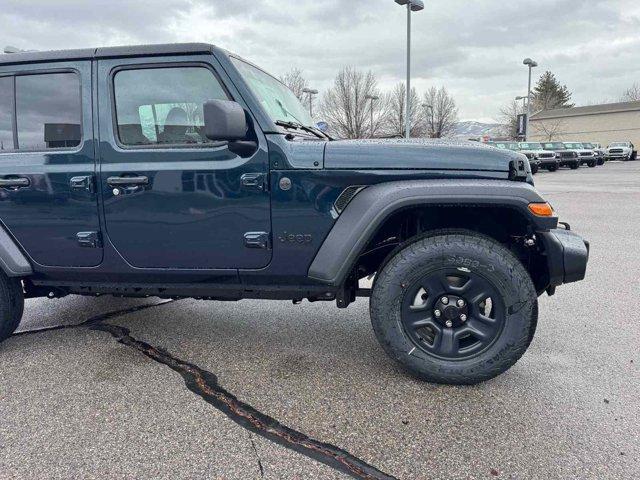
[[453, 315]]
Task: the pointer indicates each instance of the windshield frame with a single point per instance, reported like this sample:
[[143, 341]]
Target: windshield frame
[[302, 116]]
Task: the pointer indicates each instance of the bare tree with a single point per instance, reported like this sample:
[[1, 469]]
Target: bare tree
[[509, 118], [346, 108], [632, 94], [294, 79], [441, 114], [549, 129], [397, 100]]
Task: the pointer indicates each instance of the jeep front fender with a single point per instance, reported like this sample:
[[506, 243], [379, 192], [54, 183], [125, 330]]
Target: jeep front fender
[[360, 220]]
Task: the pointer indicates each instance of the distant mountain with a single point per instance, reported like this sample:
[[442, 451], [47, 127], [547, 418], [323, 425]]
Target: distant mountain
[[473, 129]]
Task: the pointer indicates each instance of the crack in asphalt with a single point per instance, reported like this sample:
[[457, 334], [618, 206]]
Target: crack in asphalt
[[205, 384], [253, 444]]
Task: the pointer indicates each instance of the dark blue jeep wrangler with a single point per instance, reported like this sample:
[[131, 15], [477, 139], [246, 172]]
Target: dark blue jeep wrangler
[[185, 171]]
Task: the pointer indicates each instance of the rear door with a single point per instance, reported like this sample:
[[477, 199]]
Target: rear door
[[173, 199], [47, 164]]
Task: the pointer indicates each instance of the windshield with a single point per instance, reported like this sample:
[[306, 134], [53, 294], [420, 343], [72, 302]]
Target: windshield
[[618, 145], [554, 146], [505, 146], [275, 97], [575, 146], [531, 146], [588, 146]]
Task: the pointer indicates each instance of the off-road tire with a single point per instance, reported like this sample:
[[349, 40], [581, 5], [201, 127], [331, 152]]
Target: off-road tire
[[467, 251], [534, 169], [592, 164], [553, 168], [574, 166], [11, 305]]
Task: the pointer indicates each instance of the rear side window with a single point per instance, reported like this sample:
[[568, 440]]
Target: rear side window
[[6, 113], [164, 106], [48, 111]]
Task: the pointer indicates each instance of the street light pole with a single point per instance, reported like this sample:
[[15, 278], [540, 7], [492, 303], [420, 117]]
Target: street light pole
[[412, 6], [373, 98], [311, 92], [531, 64]]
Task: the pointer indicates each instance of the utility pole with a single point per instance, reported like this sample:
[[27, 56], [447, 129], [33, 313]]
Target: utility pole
[[311, 92], [373, 98], [531, 64], [412, 6]]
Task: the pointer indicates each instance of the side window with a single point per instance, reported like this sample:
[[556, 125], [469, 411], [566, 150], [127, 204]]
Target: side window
[[48, 111], [163, 106], [6, 113]]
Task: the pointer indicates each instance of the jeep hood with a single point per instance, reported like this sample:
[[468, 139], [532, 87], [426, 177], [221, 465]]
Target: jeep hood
[[417, 154]]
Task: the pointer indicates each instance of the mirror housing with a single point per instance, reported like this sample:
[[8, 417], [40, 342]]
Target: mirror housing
[[224, 120]]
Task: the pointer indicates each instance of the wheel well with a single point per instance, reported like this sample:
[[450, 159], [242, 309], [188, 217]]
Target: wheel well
[[505, 225]]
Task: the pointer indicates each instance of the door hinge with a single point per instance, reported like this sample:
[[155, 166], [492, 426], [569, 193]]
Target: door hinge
[[253, 181], [82, 183], [89, 239], [257, 240]]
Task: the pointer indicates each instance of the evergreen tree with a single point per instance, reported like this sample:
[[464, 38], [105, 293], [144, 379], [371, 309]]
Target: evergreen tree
[[548, 94]]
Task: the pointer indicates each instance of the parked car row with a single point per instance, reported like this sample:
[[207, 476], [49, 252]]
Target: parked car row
[[553, 155]]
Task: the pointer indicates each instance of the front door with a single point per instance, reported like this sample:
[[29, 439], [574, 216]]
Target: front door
[[48, 200], [172, 198]]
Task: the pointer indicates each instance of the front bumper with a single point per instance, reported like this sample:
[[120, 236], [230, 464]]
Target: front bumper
[[567, 162], [548, 162], [567, 256]]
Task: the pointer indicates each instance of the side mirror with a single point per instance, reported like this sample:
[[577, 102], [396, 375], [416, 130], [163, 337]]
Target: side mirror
[[224, 121]]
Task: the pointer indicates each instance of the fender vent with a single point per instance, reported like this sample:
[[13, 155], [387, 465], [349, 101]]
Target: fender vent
[[346, 196]]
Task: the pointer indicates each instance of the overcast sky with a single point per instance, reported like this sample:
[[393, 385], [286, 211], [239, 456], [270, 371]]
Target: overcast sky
[[474, 48]]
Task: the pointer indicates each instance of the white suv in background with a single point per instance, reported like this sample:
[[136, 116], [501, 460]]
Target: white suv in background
[[621, 150]]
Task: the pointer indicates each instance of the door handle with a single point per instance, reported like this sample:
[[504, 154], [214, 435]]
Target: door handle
[[253, 180], [127, 181], [14, 182]]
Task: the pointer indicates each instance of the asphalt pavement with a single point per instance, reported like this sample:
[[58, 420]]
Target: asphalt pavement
[[194, 389]]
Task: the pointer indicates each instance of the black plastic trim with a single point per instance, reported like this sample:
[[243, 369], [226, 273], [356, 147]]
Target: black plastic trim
[[371, 207], [567, 256], [12, 261]]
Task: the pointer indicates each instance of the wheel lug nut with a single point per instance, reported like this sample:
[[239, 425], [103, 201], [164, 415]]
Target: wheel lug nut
[[449, 323], [437, 313], [463, 318], [444, 300], [461, 303]]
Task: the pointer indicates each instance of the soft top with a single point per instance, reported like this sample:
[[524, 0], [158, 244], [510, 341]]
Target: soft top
[[106, 52]]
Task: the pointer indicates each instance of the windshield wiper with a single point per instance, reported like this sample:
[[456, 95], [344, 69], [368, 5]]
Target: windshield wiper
[[299, 126]]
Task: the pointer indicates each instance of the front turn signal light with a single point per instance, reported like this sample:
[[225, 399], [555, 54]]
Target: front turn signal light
[[541, 209]]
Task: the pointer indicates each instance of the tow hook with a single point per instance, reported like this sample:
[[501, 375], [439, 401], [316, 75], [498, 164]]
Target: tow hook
[[530, 241]]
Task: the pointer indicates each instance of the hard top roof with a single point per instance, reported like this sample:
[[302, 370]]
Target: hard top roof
[[106, 52]]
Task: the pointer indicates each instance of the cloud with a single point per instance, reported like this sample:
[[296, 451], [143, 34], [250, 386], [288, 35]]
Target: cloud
[[474, 48]]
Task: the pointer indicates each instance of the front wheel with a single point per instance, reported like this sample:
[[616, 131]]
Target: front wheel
[[592, 164], [456, 308], [553, 168], [575, 166]]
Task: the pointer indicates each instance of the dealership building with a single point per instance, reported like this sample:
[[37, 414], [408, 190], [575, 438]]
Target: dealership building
[[611, 122]]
